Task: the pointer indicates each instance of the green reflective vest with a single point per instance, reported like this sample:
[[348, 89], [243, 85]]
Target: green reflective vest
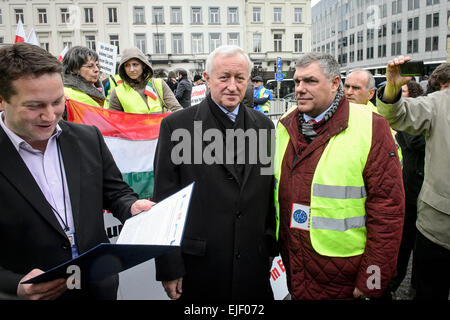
[[133, 102], [80, 96], [338, 193]]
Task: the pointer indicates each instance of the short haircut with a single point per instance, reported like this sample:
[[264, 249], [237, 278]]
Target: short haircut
[[182, 72], [327, 63], [22, 60], [440, 75], [370, 78], [227, 50], [76, 57], [414, 89]]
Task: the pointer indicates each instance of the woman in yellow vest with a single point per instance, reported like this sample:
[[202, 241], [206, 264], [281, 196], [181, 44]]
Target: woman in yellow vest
[[81, 76], [140, 92]]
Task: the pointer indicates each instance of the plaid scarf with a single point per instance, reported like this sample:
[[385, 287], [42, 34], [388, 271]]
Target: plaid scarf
[[311, 129]]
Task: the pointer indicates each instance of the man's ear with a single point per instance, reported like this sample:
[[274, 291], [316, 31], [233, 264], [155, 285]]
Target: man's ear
[[335, 83], [371, 93], [2, 104], [207, 79]]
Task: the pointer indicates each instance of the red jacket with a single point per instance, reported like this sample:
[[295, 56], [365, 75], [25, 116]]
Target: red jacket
[[313, 276]]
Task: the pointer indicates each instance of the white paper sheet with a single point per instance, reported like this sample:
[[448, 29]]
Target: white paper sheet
[[163, 224]]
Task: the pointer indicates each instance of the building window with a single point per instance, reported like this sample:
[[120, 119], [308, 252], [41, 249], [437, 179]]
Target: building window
[[360, 37], [369, 53], [360, 54], [177, 43], [19, 15], [45, 45], [397, 27], [65, 15], [176, 16], [196, 15], [431, 2], [277, 15], [360, 18], [139, 15], [370, 34], [114, 40], [277, 42], [233, 39], [90, 42], [197, 43], [42, 16], [89, 15], [158, 15], [351, 56], [352, 39], [298, 42], [1, 19], [413, 24], [67, 44], [214, 15], [436, 19], [396, 6], [298, 15], [233, 16], [140, 42], [382, 51], [413, 4], [215, 41], [432, 20], [257, 14], [257, 42], [382, 31], [112, 15], [412, 46], [432, 43], [159, 43]]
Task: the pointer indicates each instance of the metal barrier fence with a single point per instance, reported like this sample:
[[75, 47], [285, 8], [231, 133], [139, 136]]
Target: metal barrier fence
[[277, 108]]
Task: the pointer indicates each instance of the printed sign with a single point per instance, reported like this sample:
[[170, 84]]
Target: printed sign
[[198, 94], [107, 57]]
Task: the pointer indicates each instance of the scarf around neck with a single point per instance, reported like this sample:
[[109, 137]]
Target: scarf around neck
[[310, 130]]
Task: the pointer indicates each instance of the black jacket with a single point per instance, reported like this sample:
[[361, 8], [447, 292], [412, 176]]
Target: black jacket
[[183, 93], [229, 233]]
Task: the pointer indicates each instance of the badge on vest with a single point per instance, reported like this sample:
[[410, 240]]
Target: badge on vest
[[300, 217]]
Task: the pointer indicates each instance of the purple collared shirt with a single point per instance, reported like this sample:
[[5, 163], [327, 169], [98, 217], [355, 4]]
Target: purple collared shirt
[[46, 170]]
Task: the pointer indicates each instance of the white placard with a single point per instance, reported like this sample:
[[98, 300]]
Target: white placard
[[107, 57]]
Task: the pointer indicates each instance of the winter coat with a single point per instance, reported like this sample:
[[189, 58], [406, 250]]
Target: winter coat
[[311, 275]]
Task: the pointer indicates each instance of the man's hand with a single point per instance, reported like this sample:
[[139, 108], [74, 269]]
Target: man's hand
[[40, 291], [140, 205], [394, 81], [173, 288], [358, 294]]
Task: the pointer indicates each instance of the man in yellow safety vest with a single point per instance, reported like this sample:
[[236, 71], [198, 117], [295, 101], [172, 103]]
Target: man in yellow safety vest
[[339, 195]]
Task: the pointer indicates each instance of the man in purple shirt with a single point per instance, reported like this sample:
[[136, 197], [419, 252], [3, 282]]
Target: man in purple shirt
[[55, 179]]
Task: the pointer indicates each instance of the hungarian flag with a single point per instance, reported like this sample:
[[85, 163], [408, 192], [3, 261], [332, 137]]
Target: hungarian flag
[[130, 137], [20, 32], [149, 91]]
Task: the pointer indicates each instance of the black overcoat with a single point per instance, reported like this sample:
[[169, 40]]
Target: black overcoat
[[229, 233]]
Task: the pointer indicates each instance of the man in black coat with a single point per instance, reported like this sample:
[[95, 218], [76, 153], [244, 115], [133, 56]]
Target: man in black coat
[[184, 89], [229, 234]]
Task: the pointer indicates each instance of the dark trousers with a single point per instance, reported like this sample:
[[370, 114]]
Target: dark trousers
[[406, 247], [432, 267]]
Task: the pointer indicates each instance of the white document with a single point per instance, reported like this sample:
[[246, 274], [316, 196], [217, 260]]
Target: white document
[[163, 224]]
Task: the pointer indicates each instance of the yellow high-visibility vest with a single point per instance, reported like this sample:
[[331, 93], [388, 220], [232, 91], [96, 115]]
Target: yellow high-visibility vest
[[133, 102], [338, 193], [80, 96]]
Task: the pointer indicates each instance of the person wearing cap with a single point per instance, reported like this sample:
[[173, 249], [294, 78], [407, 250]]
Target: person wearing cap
[[261, 95], [140, 92]]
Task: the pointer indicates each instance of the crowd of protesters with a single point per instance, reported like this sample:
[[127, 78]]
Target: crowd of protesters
[[356, 188]]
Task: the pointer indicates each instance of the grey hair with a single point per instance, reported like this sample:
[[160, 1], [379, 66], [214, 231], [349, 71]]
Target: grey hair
[[227, 50], [76, 57], [327, 63], [370, 78]]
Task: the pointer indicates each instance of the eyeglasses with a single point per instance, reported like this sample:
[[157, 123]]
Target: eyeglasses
[[91, 66]]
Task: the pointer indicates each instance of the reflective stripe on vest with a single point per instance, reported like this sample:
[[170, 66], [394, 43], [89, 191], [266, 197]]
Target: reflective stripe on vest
[[338, 194], [133, 102], [81, 97]]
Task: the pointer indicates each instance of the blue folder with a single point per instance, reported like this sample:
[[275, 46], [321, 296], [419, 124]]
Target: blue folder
[[104, 260]]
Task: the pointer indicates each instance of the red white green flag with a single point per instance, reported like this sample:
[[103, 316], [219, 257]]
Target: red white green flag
[[130, 137]]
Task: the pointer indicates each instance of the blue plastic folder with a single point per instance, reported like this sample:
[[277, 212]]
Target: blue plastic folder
[[104, 260]]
